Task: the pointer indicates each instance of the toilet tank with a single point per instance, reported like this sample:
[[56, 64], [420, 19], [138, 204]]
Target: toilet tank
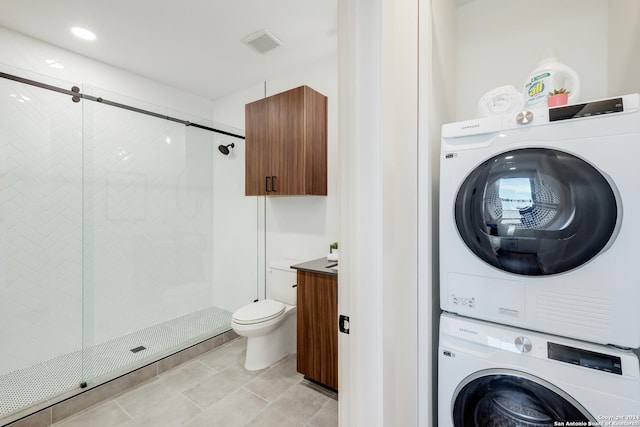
[[280, 284]]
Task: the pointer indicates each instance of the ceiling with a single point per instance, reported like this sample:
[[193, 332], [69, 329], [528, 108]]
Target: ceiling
[[194, 45]]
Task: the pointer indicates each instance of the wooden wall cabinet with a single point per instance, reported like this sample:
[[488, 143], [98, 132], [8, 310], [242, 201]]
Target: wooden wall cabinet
[[317, 327], [286, 144]]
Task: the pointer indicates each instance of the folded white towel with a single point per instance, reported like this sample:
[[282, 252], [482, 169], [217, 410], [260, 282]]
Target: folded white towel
[[501, 100]]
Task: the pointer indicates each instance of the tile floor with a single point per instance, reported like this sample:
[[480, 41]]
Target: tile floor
[[215, 390]]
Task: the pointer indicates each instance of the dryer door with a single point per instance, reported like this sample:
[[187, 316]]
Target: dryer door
[[536, 211], [507, 398]]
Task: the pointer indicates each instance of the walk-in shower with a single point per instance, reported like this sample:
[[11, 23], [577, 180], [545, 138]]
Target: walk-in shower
[[110, 256]]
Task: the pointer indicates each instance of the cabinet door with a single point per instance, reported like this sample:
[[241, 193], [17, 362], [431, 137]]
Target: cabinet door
[[317, 327], [258, 117], [315, 128], [287, 142]]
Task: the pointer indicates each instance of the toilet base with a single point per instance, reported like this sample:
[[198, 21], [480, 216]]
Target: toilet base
[[264, 351]]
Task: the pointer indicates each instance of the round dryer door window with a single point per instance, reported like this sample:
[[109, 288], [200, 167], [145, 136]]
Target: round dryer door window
[[508, 398], [536, 211]]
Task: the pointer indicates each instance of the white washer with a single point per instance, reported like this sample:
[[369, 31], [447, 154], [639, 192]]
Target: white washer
[[492, 375], [540, 220]]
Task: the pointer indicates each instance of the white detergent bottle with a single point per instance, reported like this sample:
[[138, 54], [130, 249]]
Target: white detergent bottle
[[548, 76]]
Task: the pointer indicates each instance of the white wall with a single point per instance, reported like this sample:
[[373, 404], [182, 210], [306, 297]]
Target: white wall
[[439, 86], [499, 42], [297, 227], [379, 212], [624, 47]]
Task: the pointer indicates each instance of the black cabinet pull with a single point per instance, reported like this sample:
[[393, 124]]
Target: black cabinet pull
[[266, 184], [273, 183]]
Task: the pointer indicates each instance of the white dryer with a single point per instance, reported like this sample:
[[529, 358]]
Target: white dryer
[[492, 375], [540, 220]]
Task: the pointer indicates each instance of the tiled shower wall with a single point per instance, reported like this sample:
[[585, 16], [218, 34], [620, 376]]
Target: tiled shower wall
[[40, 225]]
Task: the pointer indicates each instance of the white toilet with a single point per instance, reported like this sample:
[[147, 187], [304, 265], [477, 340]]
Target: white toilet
[[270, 324]]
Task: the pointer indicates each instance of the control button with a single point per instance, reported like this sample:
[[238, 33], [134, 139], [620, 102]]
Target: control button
[[524, 118], [523, 344]]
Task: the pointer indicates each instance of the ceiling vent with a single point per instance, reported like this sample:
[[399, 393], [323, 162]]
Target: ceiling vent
[[262, 41]]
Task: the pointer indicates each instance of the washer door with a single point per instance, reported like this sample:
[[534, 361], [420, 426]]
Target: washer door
[[536, 211], [495, 398]]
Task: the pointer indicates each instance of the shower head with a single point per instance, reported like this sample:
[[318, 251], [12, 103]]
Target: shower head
[[224, 149]]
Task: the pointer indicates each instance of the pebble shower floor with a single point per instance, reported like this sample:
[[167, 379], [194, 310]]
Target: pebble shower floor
[[24, 387]]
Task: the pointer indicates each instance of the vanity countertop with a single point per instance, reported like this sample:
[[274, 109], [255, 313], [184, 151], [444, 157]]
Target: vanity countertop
[[320, 265]]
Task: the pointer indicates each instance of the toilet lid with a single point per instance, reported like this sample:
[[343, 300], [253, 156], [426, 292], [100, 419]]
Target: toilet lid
[[257, 312]]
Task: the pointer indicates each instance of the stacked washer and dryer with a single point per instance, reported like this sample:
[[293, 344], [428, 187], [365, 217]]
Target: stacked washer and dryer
[[539, 230]]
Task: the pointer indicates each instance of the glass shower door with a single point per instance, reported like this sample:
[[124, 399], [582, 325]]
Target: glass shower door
[[148, 236], [40, 241], [124, 237]]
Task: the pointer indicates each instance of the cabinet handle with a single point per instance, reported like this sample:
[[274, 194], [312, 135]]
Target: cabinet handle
[[273, 183], [266, 184]]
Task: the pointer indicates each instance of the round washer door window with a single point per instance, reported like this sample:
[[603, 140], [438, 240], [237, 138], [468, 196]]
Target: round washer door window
[[536, 211], [493, 399]]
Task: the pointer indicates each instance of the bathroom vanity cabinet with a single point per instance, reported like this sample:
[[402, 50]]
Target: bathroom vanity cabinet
[[286, 144], [317, 327]]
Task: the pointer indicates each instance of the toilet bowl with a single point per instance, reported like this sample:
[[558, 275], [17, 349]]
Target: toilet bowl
[[269, 324], [270, 330]]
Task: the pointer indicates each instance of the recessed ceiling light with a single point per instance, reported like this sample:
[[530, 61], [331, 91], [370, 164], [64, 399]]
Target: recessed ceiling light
[[54, 64], [83, 33]]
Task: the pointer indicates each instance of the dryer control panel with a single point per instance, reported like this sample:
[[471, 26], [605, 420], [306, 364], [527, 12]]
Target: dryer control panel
[[480, 132], [595, 108], [585, 358]]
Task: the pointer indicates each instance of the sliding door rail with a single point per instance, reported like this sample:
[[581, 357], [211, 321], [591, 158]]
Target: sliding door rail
[[75, 94]]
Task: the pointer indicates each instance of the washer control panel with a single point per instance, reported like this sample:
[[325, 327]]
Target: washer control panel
[[585, 358], [531, 345]]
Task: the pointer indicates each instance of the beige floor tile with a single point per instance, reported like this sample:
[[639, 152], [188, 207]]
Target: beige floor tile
[[220, 384], [108, 414], [235, 410], [294, 408], [227, 355], [137, 401], [196, 395], [327, 416], [173, 412], [276, 380], [186, 376]]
